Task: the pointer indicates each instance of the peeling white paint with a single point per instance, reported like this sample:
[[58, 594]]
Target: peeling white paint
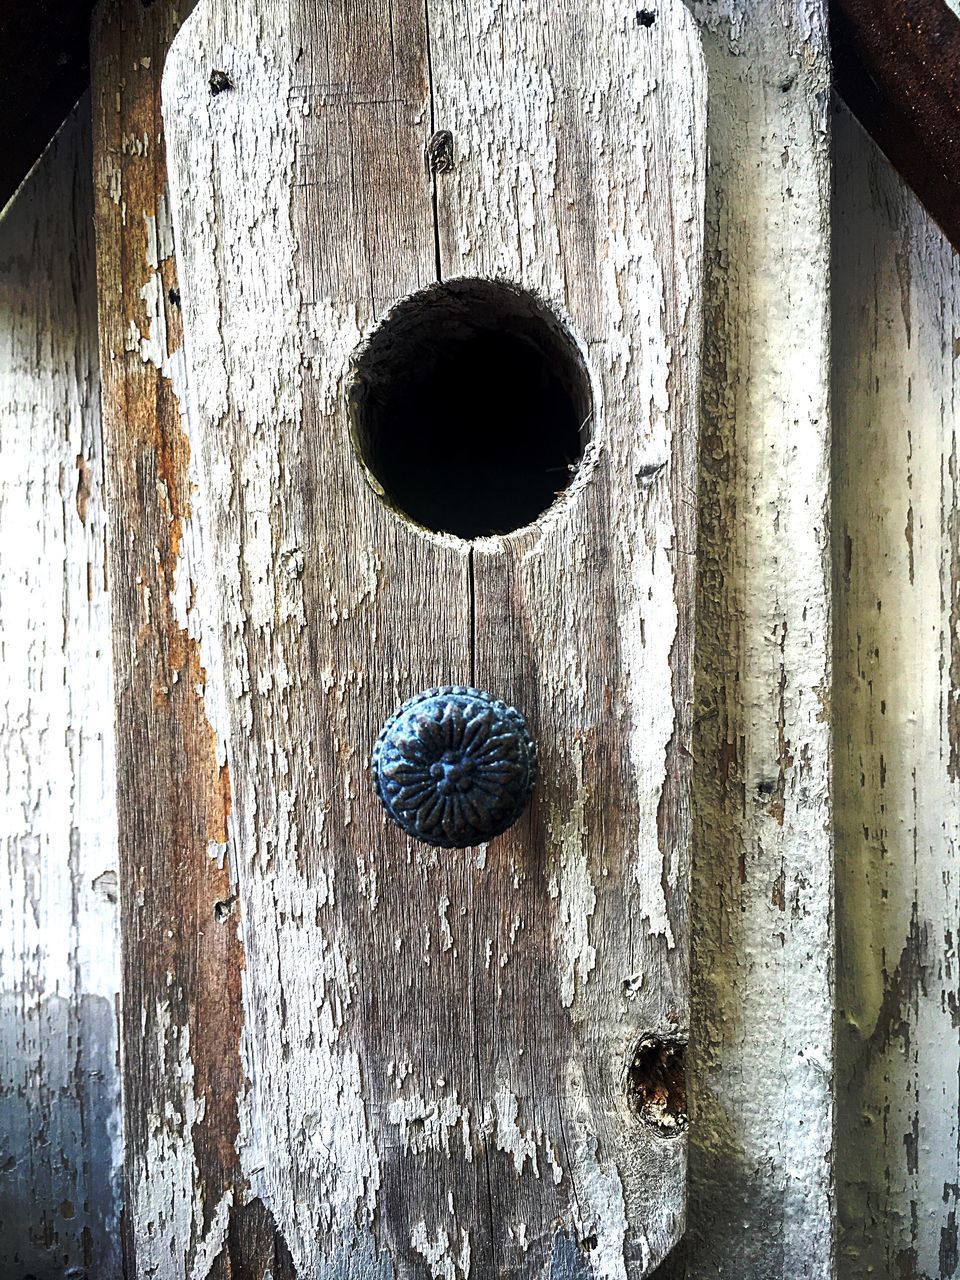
[[573, 885], [213, 1242], [59, 951], [354, 938], [429, 1126], [448, 1259], [161, 1202], [605, 1213], [509, 1136]]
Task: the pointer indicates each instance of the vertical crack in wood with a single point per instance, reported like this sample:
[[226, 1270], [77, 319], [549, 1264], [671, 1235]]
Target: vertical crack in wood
[[435, 172], [392, 1040], [432, 160]]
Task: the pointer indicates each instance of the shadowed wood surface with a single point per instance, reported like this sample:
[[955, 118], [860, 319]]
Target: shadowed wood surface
[[896, 69], [60, 1140], [897, 551], [438, 1044], [44, 68]]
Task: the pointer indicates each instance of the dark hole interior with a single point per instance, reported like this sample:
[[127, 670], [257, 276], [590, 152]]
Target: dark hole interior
[[657, 1085], [471, 408]]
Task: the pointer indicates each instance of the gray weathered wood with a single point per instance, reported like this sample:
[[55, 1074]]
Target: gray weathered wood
[[760, 1191], [897, 709], [577, 171], [59, 962], [437, 1045]]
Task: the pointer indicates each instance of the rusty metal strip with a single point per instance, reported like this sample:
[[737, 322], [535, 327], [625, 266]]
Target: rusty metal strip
[[897, 67]]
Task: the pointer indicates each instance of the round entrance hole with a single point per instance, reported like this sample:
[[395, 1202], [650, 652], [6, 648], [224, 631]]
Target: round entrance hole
[[471, 408]]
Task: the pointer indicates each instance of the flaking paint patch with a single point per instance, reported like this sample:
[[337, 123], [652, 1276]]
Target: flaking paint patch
[[298, 1056], [155, 346], [429, 1125], [260, 480], [193, 597], [446, 937], [605, 1215], [211, 1246], [447, 1258], [573, 886], [647, 632], [519, 1143], [526, 132], [60, 1114], [310, 1147], [162, 1205]]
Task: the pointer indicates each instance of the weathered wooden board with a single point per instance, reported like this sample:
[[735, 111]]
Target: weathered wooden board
[[181, 954], [761, 1178], [897, 709], [438, 1045], [59, 954], [577, 171]]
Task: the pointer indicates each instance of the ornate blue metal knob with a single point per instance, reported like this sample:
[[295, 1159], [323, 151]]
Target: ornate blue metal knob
[[454, 767]]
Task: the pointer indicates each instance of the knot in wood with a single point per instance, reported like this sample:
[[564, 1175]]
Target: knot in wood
[[454, 766]]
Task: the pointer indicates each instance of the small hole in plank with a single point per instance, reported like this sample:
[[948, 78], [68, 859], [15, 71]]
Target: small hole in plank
[[657, 1085], [471, 408]]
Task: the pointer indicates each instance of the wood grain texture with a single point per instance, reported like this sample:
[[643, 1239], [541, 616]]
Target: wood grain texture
[[761, 1182], [437, 1045], [586, 621], [897, 533], [181, 954], [59, 954]]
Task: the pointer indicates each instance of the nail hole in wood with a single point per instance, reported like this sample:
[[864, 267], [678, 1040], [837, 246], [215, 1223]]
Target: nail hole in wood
[[223, 910], [646, 17], [471, 408], [657, 1085]]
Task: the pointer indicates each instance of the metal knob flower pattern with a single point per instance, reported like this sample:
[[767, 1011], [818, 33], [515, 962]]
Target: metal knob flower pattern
[[454, 766]]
